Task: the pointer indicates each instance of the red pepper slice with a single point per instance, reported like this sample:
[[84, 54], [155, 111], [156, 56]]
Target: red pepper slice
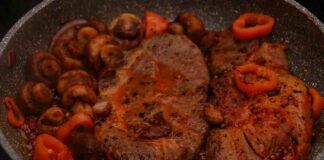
[[317, 104], [48, 147], [14, 116], [154, 24], [77, 120], [270, 82], [252, 25]]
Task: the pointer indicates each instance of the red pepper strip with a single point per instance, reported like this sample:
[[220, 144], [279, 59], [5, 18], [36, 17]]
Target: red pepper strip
[[270, 82], [154, 24], [317, 104], [77, 120], [252, 25], [14, 116], [48, 147]]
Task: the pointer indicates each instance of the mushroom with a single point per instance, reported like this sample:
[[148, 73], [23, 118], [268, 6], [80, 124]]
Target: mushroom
[[69, 46], [66, 31], [102, 108], [109, 56], [175, 28], [74, 77], [98, 24], [94, 47], [78, 93], [76, 46], [82, 107], [213, 115], [51, 119], [62, 52], [127, 30], [85, 34], [34, 97], [192, 25], [43, 67]]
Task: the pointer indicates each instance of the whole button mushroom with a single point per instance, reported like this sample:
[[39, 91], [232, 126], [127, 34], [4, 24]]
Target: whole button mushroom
[[43, 67], [193, 27], [127, 30], [74, 77], [51, 119], [34, 97]]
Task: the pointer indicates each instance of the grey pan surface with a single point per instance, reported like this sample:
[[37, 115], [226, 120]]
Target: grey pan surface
[[294, 25]]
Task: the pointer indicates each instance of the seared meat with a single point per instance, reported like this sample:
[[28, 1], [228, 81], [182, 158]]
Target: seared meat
[[84, 146], [271, 55], [271, 125], [229, 144], [157, 102], [228, 52]]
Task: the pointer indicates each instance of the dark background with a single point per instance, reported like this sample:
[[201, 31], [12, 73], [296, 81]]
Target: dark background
[[12, 10]]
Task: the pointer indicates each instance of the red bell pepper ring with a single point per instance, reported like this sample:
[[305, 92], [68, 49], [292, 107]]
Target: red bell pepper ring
[[317, 103], [154, 24], [77, 120], [14, 116], [251, 88], [48, 147], [252, 25]]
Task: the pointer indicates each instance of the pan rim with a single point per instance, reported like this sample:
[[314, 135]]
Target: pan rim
[[4, 143]]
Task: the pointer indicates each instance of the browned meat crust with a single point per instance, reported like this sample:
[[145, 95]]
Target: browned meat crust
[[273, 125], [157, 100]]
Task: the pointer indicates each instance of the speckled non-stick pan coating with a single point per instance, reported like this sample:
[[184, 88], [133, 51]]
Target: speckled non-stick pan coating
[[33, 32]]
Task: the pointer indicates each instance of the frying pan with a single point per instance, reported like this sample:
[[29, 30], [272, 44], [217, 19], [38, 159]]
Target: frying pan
[[294, 25]]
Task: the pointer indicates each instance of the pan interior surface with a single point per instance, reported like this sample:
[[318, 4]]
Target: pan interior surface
[[35, 30]]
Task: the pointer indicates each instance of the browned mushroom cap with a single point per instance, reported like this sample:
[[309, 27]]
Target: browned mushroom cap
[[108, 56], [64, 43], [43, 67], [127, 30], [70, 48], [192, 25], [51, 119], [85, 34], [79, 107], [34, 97], [175, 28], [61, 50], [213, 115], [77, 45], [74, 77], [98, 24], [78, 93], [94, 47]]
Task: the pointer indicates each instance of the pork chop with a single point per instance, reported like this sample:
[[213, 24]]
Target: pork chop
[[157, 99], [270, 125]]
